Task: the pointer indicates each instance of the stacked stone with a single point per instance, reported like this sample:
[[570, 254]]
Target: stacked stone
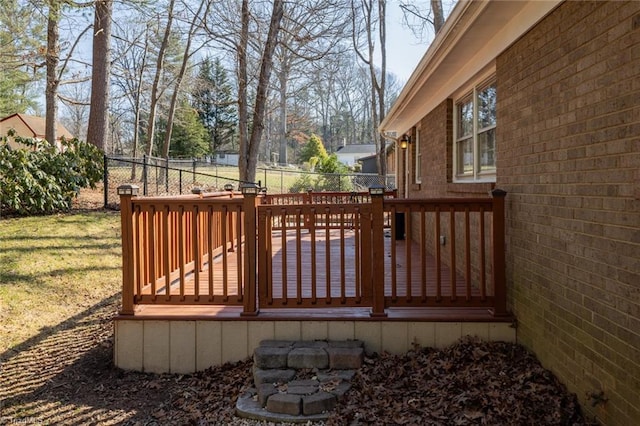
[[276, 363]]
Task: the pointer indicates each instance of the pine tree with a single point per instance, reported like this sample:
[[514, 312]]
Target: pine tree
[[189, 138], [314, 148], [215, 104], [22, 37]]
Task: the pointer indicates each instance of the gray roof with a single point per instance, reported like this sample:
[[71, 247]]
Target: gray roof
[[364, 148]]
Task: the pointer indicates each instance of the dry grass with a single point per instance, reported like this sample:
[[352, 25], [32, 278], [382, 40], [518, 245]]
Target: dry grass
[[53, 267]]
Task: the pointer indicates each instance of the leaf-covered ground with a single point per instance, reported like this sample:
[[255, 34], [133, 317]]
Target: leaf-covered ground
[[66, 376]]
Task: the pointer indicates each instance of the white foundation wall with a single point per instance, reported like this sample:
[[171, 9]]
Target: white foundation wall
[[187, 346]]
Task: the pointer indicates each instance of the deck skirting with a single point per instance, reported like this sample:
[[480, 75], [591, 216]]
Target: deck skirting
[[185, 344]]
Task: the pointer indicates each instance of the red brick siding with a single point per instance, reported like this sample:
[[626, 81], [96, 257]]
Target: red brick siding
[[568, 154]]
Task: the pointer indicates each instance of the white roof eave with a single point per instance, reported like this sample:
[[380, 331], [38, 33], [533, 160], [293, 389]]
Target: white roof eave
[[475, 33]]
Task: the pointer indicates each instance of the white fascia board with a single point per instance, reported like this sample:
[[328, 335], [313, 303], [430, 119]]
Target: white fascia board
[[473, 36]]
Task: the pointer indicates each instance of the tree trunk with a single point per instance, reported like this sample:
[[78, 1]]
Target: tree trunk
[[151, 126], [243, 108], [52, 60], [98, 127], [438, 15], [176, 91], [282, 131], [382, 32], [249, 156]]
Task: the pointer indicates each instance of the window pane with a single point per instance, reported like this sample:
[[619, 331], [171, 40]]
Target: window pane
[[465, 156], [487, 106], [465, 120], [487, 144]]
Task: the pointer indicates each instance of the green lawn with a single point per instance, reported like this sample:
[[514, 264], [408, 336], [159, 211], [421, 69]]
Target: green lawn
[[53, 267]]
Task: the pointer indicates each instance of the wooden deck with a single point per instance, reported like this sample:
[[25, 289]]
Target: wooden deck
[[340, 259], [336, 279]]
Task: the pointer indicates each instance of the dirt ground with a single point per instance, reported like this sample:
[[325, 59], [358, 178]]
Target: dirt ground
[[65, 375]]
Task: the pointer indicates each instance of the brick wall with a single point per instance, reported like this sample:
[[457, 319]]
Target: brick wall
[[568, 141]]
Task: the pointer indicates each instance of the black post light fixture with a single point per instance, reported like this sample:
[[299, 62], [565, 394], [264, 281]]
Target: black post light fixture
[[405, 141], [250, 189]]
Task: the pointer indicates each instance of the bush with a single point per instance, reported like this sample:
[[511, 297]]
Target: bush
[[330, 178], [45, 180]]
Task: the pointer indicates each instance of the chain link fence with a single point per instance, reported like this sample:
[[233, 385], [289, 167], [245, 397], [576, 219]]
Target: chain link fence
[[159, 176]]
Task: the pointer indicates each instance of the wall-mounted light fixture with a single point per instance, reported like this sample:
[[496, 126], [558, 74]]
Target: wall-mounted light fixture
[[405, 141]]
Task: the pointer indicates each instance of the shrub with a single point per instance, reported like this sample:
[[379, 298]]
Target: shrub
[[331, 177], [43, 180]]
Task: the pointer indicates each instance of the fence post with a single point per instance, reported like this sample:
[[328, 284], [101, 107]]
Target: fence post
[[166, 175], [377, 249], [250, 193], [145, 171], [498, 244], [105, 180], [126, 193], [180, 180]]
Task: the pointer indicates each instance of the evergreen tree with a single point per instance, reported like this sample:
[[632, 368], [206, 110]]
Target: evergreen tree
[[215, 104], [314, 148], [22, 37], [189, 138]]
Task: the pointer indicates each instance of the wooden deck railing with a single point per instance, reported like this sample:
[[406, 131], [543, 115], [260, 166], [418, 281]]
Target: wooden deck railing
[[326, 251], [171, 244]]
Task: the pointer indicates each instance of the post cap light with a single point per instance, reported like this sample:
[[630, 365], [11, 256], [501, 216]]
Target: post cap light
[[249, 189], [376, 190], [228, 187], [128, 190], [405, 141]]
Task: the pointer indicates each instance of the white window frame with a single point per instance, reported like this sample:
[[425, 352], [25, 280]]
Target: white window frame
[[476, 174], [418, 159]]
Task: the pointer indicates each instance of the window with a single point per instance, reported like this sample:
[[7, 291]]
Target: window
[[475, 134], [418, 164]]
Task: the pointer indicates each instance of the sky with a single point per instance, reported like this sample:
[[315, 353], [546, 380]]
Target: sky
[[404, 49]]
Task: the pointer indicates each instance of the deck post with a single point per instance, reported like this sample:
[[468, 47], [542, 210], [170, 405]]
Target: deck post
[[377, 249], [126, 193], [498, 240], [250, 193]]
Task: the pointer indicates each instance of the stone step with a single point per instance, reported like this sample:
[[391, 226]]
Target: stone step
[[336, 355], [299, 381]]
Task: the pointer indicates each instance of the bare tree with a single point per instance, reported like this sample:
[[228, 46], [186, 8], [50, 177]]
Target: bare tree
[[97, 130], [204, 6], [156, 90], [130, 67], [420, 18], [368, 18], [250, 143], [52, 60], [76, 103], [310, 31], [54, 69]]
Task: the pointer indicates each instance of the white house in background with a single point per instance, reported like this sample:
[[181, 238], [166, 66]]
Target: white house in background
[[226, 158], [350, 154], [29, 126]]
